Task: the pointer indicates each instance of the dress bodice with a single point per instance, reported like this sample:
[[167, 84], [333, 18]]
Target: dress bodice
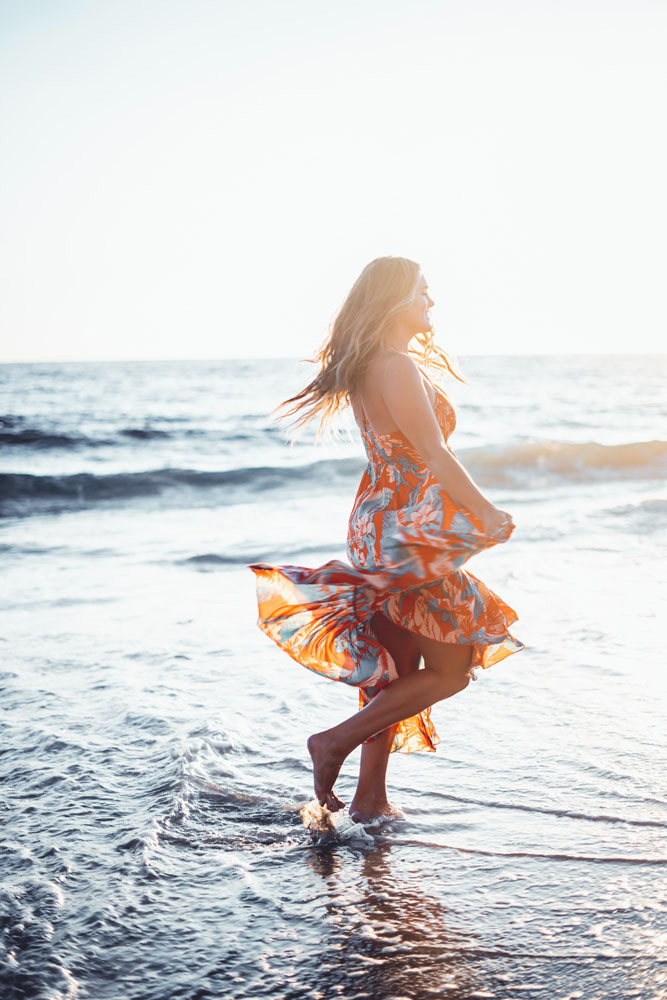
[[388, 447]]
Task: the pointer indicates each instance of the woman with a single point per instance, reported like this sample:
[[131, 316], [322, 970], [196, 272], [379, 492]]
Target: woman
[[417, 517]]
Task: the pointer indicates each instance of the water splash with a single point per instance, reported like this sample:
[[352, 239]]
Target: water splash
[[328, 828]]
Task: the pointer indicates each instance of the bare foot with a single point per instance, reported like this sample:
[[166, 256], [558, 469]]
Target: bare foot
[[326, 766]]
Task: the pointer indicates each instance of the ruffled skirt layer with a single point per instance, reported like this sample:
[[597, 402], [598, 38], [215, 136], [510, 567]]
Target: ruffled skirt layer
[[322, 617]]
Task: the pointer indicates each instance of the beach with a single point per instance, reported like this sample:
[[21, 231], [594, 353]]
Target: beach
[[154, 766]]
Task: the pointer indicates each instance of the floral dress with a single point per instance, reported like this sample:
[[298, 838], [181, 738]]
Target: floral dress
[[407, 541]]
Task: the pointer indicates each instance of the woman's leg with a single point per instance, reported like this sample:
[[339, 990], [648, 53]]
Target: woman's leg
[[370, 797], [445, 673]]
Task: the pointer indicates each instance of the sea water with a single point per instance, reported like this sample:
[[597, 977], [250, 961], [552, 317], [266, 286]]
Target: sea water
[[155, 779]]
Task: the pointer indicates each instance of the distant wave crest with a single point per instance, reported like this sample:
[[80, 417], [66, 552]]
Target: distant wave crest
[[16, 433], [522, 463], [33, 437]]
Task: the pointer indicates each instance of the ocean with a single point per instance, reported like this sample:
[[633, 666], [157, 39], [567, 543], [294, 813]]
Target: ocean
[[153, 761]]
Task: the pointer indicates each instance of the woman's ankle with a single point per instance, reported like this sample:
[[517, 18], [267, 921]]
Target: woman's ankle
[[373, 798], [364, 810]]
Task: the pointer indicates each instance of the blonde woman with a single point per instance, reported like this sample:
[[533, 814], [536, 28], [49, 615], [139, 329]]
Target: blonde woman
[[417, 517]]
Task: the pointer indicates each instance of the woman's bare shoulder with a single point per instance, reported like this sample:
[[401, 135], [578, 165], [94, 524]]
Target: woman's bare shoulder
[[388, 373], [389, 366], [396, 372]]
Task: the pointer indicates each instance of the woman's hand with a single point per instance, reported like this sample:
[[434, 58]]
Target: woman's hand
[[494, 520]]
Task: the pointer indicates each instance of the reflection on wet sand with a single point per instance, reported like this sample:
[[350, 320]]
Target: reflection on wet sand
[[386, 937]]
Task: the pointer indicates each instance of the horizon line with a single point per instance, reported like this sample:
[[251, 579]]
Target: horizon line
[[293, 357]]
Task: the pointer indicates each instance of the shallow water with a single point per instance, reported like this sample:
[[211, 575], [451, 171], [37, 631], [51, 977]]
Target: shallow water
[[153, 754]]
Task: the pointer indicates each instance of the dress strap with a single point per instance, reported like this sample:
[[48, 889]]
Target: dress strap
[[364, 418], [426, 376]]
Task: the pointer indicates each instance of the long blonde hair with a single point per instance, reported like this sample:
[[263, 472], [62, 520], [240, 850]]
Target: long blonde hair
[[357, 335]]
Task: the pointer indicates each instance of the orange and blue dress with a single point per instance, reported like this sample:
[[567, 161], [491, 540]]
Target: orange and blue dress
[[407, 541]]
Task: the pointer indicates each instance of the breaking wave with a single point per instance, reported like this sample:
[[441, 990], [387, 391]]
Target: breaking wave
[[21, 493], [571, 461], [525, 464]]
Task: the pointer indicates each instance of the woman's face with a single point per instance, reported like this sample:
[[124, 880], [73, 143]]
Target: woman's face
[[417, 316]]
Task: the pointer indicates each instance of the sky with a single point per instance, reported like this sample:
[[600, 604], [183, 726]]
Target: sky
[[206, 178]]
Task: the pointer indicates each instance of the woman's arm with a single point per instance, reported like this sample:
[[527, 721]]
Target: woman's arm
[[407, 402]]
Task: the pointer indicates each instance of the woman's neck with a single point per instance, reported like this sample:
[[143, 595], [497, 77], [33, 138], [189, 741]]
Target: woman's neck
[[399, 344]]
